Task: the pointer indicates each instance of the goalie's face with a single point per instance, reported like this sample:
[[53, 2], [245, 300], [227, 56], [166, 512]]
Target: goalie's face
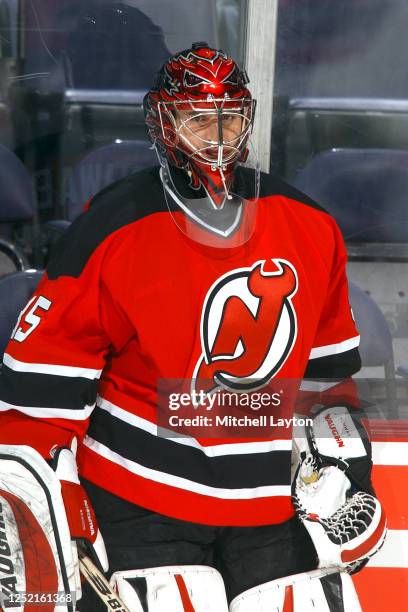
[[204, 132], [212, 132]]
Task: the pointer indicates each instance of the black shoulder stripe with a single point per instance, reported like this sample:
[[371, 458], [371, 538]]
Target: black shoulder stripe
[[46, 390], [271, 185], [118, 205], [336, 366]]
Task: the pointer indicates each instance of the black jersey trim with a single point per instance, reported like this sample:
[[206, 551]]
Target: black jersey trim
[[118, 205], [163, 455], [46, 390], [273, 186], [338, 366]]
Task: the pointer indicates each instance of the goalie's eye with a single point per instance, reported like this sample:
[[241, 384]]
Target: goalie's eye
[[191, 80]]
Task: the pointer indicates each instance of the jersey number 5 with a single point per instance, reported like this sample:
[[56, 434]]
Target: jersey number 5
[[29, 316]]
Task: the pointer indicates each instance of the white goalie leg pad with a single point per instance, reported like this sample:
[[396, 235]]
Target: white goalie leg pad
[[174, 588], [316, 591], [38, 560]]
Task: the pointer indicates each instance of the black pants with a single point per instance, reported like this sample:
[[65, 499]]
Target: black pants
[[137, 538]]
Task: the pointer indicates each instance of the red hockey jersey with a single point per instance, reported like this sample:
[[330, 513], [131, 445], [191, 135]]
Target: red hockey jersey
[[128, 300]]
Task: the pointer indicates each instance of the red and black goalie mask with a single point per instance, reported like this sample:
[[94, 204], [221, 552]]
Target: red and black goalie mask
[[200, 116]]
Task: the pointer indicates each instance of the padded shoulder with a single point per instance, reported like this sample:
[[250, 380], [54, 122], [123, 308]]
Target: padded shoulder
[[118, 205], [271, 185]]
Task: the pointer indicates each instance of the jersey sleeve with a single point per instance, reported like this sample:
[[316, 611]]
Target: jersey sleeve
[[334, 357], [52, 363], [335, 347]]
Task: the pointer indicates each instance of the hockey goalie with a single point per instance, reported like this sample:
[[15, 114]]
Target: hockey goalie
[[201, 269]]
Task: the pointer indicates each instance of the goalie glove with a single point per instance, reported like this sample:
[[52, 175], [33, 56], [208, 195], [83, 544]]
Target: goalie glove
[[41, 515], [332, 489]]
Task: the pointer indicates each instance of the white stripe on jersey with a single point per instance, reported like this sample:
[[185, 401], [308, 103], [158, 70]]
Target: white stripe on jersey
[[334, 349], [217, 450], [184, 483], [48, 368], [50, 413]]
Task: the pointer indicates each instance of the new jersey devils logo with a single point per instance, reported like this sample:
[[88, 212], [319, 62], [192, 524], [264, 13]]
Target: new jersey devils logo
[[248, 327]]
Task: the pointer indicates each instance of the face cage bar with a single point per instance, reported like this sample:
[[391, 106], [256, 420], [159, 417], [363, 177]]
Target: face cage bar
[[199, 153]]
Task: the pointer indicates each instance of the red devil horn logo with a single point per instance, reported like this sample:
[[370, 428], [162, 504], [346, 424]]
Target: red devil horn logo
[[241, 354]]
